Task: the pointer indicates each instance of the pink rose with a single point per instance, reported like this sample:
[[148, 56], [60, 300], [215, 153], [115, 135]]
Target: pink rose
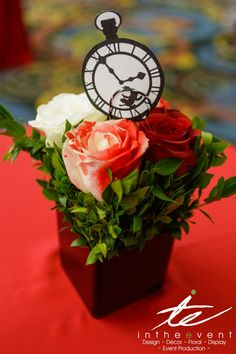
[[94, 147]]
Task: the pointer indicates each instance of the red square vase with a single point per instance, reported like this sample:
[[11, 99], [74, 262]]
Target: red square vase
[[105, 287]]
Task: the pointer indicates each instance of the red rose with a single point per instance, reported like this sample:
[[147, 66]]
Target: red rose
[[170, 135], [93, 147]]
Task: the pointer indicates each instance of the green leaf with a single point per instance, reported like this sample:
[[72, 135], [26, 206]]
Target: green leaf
[[198, 123], [117, 189], [107, 194], [151, 232], [9, 125], [12, 153], [165, 219], [129, 183], [79, 242], [80, 197], [57, 162], [167, 181], [79, 210], [218, 160], [110, 242], [218, 147], [229, 187], [99, 250], [50, 194], [114, 231], [68, 127], [176, 233], [204, 179], [63, 200], [171, 207], [92, 218], [212, 196], [146, 206], [158, 192], [197, 144], [207, 215], [133, 199], [101, 213], [220, 186], [42, 183], [35, 134], [5, 113], [97, 227], [199, 167], [137, 223], [130, 241], [207, 138], [216, 192], [37, 147], [140, 193], [185, 226], [89, 200], [47, 168], [92, 257], [102, 248], [146, 178], [167, 166]]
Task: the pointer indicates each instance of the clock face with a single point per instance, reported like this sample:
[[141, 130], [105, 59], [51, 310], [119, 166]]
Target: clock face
[[122, 78]]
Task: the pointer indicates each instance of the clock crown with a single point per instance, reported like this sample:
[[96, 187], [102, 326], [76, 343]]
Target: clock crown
[[108, 22]]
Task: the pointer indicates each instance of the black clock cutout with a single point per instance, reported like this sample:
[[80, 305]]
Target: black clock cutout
[[122, 78]]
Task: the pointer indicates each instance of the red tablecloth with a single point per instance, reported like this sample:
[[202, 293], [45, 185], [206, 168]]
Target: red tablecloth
[[41, 313]]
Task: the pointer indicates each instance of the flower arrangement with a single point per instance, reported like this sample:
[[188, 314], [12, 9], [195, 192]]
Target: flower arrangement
[[120, 183]]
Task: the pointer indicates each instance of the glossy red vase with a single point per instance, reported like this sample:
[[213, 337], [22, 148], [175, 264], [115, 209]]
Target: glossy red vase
[[108, 286]]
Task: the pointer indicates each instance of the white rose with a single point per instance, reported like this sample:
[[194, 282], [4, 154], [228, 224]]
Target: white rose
[[51, 117]]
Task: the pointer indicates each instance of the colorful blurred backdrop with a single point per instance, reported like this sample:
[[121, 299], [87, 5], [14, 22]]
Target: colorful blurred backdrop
[[195, 41]]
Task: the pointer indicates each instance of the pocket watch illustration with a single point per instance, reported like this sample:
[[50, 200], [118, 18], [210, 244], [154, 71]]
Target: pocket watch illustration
[[122, 77]]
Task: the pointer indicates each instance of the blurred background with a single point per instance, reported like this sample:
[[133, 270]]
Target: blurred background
[[44, 42]]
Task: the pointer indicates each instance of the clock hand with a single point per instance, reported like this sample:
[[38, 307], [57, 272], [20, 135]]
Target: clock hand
[[103, 61], [140, 76]]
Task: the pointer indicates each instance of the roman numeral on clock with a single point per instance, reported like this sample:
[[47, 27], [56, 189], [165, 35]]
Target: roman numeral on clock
[[114, 47], [155, 72], [133, 49], [96, 56], [116, 112], [155, 90], [89, 85], [100, 103], [88, 71], [134, 112], [146, 58]]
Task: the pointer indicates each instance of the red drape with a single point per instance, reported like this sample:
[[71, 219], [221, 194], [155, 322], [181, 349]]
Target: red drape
[[14, 47]]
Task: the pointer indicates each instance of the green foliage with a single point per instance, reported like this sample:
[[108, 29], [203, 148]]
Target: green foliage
[[198, 123], [151, 199], [33, 144], [9, 125], [223, 189], [167, 166]]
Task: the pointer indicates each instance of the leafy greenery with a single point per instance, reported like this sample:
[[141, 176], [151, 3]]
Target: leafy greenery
[[149, 200]]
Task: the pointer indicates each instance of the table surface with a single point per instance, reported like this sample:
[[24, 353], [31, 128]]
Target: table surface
[[40, 312]]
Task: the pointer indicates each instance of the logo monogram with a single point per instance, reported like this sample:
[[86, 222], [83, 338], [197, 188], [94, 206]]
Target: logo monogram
[[187, 321]]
